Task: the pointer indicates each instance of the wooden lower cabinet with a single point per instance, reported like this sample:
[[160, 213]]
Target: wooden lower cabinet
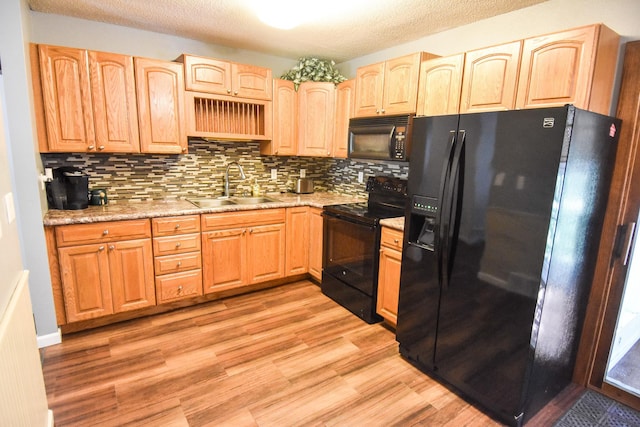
[[297, 246], [315, 243], [105, 272], [178, 258], [389, 274], [242, 248]]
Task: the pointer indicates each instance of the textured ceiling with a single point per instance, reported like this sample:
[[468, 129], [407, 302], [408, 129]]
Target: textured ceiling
[[340, 30]]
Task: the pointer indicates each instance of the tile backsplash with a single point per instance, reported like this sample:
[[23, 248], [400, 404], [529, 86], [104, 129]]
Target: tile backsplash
[[201, 172]]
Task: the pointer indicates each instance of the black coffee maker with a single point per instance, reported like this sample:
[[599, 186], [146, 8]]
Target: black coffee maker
[[69, 189]]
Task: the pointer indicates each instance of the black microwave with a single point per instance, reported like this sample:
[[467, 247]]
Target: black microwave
[[380, 138]]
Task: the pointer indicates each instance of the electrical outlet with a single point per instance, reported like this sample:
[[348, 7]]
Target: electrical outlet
[[303, 173], [360, 176], [274, 174]]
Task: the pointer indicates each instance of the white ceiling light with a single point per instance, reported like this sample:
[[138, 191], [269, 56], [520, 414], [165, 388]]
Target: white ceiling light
[[288, 14]]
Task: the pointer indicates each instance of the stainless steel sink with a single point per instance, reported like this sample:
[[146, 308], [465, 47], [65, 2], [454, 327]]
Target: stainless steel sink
[[226, 201], [253, 200], [211, 203]]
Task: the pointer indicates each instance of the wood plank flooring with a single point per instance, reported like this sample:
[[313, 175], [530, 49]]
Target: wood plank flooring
[[286, 356]]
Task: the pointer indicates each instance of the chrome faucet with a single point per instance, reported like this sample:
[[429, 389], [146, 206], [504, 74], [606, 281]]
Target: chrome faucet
[[226, 177]]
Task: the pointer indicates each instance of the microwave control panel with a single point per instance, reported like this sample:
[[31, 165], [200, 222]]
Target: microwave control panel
[[399, 140]]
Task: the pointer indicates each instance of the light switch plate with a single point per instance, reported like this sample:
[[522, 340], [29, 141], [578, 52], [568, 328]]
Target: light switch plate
[[9, 206], [303, 173]]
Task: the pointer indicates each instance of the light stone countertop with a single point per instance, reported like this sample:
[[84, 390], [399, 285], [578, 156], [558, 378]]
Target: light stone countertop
[[124, 210], [395, 223]]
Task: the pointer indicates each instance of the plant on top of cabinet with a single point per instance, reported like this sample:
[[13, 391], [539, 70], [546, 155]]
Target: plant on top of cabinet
[[313, 70], [389, 87], [85, 100]]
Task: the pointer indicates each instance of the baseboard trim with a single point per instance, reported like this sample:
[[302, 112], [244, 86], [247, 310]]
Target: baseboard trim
[[49, 339]]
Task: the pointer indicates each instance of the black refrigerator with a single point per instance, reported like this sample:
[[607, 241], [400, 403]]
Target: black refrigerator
[[500, 243]]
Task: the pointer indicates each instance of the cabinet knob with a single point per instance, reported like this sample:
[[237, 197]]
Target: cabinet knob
[[111, 247], [179, 289], [251, 231], [395, 241], [91, 147], [101, 147], [382, 111], [228, 90], [177, 226], [235, 92], [179, 263], [105, 232], [328, 153], [244, 232], [184, 149], [276, 153], [178, 244], [101, 248]]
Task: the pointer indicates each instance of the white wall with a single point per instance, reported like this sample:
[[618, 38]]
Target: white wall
[[622, 16], [73, 32], [25, 161]]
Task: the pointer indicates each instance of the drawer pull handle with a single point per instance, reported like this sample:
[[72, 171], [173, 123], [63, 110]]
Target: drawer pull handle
[[179, 289], [177, 226], [395, 241]]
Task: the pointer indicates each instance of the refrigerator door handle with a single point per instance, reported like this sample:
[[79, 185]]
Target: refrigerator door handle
[[454, 207], [442, 224]]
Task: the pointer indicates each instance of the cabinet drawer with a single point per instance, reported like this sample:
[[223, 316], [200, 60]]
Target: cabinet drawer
[[176, 286], [175, 225], [176, 244], [391, 238], [79, 234], [175, 263], [243, 219]]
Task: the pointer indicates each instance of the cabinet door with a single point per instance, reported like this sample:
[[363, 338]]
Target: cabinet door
[[160, 89], [315, 243], [224, 259], [439, 86], [285, 120], [400, 92], [132, 277], [114, 103], [389, 284], [207, 75], [252, 82], [85, 281], [265, 252], [369, 89], [490, 78], [345, 97], [560, 68], [316, 105], [297, 250], [66, 95]]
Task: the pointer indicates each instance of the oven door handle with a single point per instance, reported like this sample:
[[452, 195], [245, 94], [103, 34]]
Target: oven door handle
[[348, 219]]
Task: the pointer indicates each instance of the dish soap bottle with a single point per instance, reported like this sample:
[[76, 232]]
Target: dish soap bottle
[[255, 188]]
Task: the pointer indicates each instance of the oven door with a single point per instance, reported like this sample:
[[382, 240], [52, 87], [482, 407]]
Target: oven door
[[351, 251]]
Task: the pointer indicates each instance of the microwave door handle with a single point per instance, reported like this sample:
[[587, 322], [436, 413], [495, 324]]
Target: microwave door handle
[[392, 137]]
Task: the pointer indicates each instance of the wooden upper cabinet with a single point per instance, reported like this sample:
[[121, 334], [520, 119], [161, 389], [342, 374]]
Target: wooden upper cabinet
[[115, 111], [439, 86], [345, 97], [316, 106], [160, 91], [369, 87], [570, 67], [226, 78], [389, 87], [285, 121], [66, 99], [490, 78]]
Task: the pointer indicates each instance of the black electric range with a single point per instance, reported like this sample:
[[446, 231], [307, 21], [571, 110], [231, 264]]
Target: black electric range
[[352, 244]]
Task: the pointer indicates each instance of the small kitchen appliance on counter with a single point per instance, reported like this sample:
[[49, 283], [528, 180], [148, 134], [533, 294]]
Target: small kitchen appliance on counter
[[303, 186], [69, 189]]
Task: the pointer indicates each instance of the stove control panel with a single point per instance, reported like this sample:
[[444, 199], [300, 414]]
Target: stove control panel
[[386, 184]]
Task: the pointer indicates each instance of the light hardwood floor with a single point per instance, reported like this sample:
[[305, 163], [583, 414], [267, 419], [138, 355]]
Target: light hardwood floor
[[286, 356]]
